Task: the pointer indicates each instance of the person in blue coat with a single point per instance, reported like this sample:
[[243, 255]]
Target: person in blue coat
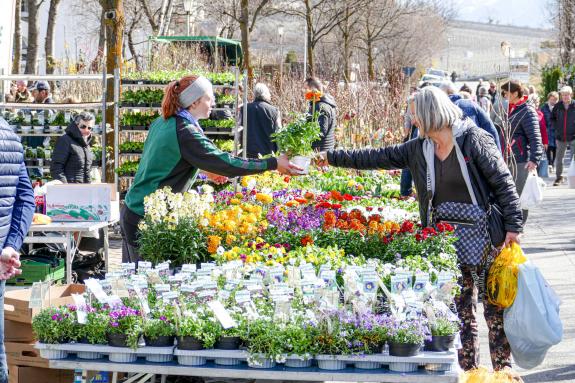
[[547, 110], [472, 110], [16, 212]]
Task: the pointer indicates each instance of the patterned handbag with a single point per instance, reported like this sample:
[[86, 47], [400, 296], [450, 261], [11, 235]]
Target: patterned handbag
[[470, 223]]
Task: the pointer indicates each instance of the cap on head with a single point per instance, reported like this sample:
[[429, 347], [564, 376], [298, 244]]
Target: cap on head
[[40, 85]]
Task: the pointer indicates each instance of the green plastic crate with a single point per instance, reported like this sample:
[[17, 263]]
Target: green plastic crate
[[33, 271]]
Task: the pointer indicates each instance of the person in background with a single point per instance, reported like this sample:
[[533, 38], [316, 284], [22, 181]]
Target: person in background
[[533, 96], [563, 119], [453, 162], [525, 141], [543, 167], [546, 109], [465, 88], [72, 156], [326, 108], [263, 120], [472, 110], [224, 113], [15, 218], [492, 91], [22, 92], [484, 100], [176, 149], [409, 132], [40, 91], [479, 85]]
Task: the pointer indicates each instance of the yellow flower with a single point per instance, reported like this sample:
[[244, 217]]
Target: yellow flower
[[351, 183], [264, 198], [230, 239], [214, 242], [235, 201]]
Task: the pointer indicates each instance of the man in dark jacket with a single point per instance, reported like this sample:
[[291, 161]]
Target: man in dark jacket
[[263, 120], [15, 217], [72, 157], [563, 119], [472, 110], [325, 106]]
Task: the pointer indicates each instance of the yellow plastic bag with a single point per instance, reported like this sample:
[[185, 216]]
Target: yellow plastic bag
[[501, 286]]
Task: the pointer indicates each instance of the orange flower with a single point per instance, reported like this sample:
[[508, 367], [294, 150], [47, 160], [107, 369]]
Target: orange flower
[[341, 224], [336, 195], [330, 220], [307, 240], [300, 200], [313, 95], [292, 203], [309, 195], [213, 243]]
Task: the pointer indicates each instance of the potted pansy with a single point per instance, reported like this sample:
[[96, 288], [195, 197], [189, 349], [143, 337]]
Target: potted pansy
[[334, 337], [124, 327], [197, 330], [296, 139], [406, 337], [443, 333], [53, 326], [159, 331]]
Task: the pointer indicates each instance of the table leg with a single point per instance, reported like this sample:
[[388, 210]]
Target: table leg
[[114, 377], [106, 247], [163, 378], [69, 255]]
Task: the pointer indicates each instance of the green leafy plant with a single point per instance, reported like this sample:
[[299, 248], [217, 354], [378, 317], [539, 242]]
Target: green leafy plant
[[126, 321], [157, 327], [225, 145], [444, 327], [202, 325], [225, 99], [95, 328], [30, 153], [297, 137], [224, 124], [132, 147], [53, 325], [59, 120], [128, 168], [408, 332]]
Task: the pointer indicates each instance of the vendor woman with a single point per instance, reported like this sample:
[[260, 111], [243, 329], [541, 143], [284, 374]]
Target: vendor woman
[[176, 149]]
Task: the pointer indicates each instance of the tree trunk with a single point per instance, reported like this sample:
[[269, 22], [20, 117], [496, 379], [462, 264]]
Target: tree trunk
[[310, 40], [114, 33], [49, 46], [370, 60], [245, 18], [32, 53], [17, 39]]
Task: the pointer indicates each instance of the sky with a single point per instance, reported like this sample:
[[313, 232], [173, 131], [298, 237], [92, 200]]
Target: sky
[[528, 13]]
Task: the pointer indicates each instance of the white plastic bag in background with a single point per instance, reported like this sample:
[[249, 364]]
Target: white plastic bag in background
[[571, 174], [532, 323], [532, 194]]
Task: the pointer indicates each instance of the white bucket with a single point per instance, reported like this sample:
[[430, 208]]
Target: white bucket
[[303, 162]]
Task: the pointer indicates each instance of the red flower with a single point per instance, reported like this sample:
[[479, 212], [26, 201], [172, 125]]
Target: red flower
[[336, 195], [307, 240], [287, 179], [323, 205], [419, 237], [369, 208], [348, 197], [407, 227], [301, 200], [336, 206]]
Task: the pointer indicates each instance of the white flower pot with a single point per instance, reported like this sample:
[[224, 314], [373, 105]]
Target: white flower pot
[[38, 129], [331, 364], [403, 367], [26, 128], [53, 354], [262, 363], [298, 363], [303, 162], [88, 355], [191, 360], [438, 367], [159, 358], [124, 357], [367, 365], [227, 361]]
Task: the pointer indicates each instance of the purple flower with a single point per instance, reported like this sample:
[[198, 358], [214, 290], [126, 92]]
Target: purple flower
[[55, 317], [163, 318], [114, 324]]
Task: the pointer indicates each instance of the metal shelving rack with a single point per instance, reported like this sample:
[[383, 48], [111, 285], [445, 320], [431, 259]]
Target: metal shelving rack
[[239, 147], [61, 106]]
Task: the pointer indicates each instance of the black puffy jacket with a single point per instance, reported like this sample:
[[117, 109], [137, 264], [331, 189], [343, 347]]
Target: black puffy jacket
[[526, 140], [491, 180], [72, 157], [563, 121], [263, 121], [327, 122]]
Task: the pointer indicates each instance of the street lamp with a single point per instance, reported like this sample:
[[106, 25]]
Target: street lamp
[[281, 35], [188, 5]]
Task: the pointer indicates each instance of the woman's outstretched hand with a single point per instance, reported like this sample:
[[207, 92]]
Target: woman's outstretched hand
[[320, 160], [286, 167]]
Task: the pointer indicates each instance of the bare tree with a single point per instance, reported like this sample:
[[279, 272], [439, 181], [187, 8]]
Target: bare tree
[[348, 27], [32, 53], [17, 39], [49, 46], [132, 26], [565, 21]]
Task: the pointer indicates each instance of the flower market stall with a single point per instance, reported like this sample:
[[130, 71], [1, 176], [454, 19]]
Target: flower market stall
[[323, 277]]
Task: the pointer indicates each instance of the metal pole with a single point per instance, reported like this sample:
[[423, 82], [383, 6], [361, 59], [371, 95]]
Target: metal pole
[[305, 54], [104, 98], [281, 60], [187, 34], [245, 117], [116, 122]]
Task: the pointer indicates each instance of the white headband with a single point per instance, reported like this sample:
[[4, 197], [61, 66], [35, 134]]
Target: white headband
[[196, 90]]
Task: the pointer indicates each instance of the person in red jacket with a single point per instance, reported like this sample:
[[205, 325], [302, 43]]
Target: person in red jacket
[[543, 167]]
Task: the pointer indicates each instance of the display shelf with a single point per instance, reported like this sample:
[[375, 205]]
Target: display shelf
[[155, 108], [32, 106], [144, 85]]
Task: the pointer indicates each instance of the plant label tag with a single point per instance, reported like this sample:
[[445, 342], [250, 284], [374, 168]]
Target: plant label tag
[[188, 268], [144, 266], [398, 283], [129, 268], [210, 285], [421, 282], [66, 117], [224, 295], [242, 296], [169, 296], [190, 288], [106, 286], [95, 288], [38, 294], [328, 277], [203, 273], [370, 285], [222, 314], [161, 288], [207, 266], [114, 301], [80, 303]]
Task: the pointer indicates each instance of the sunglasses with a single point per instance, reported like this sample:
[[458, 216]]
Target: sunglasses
[[85, 127]]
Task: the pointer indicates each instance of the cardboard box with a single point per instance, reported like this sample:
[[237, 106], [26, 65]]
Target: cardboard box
[[22, 374], [16, 302], [24, 354], [81, 202], [18, 332]]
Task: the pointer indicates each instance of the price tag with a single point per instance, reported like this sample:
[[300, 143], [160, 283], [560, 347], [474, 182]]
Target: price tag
[[80, 303], [129, 268], [161, 288], [207, 266], [188, 268], [222, 314], [242, 296], [94, 286], [144, 266]]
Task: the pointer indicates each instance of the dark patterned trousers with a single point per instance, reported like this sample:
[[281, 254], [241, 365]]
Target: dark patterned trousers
[[466, 304]]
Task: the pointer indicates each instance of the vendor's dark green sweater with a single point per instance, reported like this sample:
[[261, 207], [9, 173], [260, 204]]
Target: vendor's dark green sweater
[[174, 152]]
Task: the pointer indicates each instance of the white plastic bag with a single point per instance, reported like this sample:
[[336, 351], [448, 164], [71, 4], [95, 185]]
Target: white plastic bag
[[532, 194], [532, 323], [571, 174]]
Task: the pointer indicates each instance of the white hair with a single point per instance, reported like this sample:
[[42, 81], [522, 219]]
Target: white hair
[[448, 87], [434, 110], [262, 92], [566, 89]]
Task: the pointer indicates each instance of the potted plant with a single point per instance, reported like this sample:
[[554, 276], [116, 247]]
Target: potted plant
[[406, 337], [264, 341], [30, 156], [298, 340], [16, 122], [197, 331], [58, 122], [124, 327], [159, 331], [296, 139], [53, 326], [333, 338], [95, 330], [443, 333]]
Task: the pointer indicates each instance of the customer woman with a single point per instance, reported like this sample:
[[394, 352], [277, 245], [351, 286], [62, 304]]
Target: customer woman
[[176, 149], [457, 168], [72, 157]]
